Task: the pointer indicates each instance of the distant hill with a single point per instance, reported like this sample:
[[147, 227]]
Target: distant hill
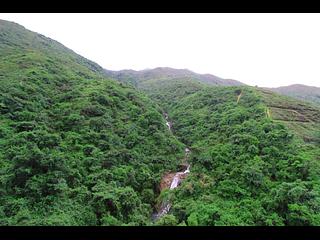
[[300, 91], [151, 78]]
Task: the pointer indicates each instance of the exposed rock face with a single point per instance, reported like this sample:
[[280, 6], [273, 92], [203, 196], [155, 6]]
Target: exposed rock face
[[183, 166], [166, 181]]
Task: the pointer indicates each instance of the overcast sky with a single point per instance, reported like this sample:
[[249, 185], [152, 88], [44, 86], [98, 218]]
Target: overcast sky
[[267, 50]]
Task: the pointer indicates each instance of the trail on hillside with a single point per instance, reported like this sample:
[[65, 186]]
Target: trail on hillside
[[239, 96], [268, 113]]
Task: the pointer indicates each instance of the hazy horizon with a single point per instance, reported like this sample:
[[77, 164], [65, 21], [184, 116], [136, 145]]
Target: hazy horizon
[[268, 50]]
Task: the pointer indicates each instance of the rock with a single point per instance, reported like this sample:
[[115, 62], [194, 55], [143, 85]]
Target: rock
[[166, 181], [183, 167]]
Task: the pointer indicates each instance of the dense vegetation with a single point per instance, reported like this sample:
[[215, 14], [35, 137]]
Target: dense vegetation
[[79, 148], [76, 148], [246, 168], [251, 164]]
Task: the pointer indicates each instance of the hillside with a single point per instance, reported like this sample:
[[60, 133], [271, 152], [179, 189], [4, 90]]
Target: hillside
[[255, 155], [246, 168], [167, 86], [300, 116], [299, 91], [76, 148]]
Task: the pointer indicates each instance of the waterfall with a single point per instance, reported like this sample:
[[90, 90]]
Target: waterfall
[[175, 181], [167, 122], [187, 170], [165, 208]]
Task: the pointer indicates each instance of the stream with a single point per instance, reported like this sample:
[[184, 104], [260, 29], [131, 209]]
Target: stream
[[165, 207], [169, 124]]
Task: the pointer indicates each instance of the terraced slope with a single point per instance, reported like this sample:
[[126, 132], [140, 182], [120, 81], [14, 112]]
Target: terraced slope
[[302, 117]]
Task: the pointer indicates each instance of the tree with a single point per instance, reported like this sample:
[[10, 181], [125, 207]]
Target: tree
[[167, 220]]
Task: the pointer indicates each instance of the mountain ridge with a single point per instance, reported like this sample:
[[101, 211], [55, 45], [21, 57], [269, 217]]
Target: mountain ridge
[[142, 76]]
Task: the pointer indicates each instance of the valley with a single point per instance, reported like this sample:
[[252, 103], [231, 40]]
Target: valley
[[84, 146]]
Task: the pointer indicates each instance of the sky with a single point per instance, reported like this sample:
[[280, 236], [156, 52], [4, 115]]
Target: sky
[[267, 50]]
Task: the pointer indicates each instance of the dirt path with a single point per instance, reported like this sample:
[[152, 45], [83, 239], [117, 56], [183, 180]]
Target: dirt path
[[239, 96], [268, 113]]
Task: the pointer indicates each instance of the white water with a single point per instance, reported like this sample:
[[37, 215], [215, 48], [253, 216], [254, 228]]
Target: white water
[[187, 170], [167, 122], [165, 208], [176, 179]]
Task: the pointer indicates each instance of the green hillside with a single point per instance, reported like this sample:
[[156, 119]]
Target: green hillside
[[255, 155], [76, 148], [80, 148], [246, 169]]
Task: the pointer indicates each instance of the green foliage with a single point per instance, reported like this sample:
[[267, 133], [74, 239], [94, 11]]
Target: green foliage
[[76, 148], [167, 220], [246, 168]]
